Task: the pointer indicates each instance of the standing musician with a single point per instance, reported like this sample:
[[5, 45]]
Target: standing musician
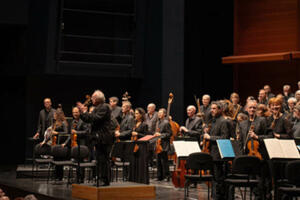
[[193, 124], [205, 108], [127, 123], [269, 94], [236, 107], [116, 110], [100, 119], [262, 97], [278, 124], [45, 119], [140, 128], [151, 117], [219, 130], [164, 132]]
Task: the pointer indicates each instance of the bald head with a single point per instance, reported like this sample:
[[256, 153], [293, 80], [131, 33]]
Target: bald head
[[191, 110]]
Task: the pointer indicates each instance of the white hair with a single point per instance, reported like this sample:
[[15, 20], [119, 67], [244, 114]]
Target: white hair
[[152, 105], [191, 106], [206, 96], [99, 96], [292, 99]]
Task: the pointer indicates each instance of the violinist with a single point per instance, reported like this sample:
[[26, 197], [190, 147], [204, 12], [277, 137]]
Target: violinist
[[252, 133], [219, 130], [193, 124], [164, 132], [140, 127], [78, 127]]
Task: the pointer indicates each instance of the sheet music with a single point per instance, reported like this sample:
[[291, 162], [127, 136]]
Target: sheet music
[[289, 148], [185, 148], [281, 148]]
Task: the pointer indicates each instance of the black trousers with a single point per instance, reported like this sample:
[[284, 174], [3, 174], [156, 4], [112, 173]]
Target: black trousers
[[103, 152], [162, 165]]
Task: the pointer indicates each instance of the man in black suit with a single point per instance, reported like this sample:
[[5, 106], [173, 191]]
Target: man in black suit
[[205, 108], [164, 132], [45, 119], [116, 110], [127, 123], [193, 124], [102, 135], [219, 130]]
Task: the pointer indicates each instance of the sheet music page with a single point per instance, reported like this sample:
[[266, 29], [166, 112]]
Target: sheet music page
[[289, 148], [185, 148], [274, 148]]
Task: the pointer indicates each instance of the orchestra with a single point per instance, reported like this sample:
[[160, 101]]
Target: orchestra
[[267, 116]]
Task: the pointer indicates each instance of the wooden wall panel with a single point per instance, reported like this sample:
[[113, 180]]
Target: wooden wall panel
[[266, 26], [249, 78]]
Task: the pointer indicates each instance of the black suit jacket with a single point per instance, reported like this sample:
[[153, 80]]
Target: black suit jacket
[[219, 130], [166, 132], [41, 127], [82, 130], [142, 130], [126, 127], [260, 129], [100, 119], [194, 126]]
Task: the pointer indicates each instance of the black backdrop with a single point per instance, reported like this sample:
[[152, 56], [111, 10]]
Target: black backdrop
[[27, 64]]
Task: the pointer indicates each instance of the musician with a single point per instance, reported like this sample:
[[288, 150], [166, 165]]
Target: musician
[[60, 126], [100, 119], [140, 127], [151, 117], [45, 119], [163, 130], [262, 97], [296, 126], [278, 124], [127, 123], [263, 111], [193, 124], [287, 93], [116, 110], [297, 95], [289, 113], [269, 94], [78, 127], [298, 85], [219, 130], [237, 108], [205, 108]]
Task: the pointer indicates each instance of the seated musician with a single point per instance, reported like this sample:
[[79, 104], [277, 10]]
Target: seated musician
[[140, 128], [219, 130], [81, 130], [127, 123], [193, 124], [163, 130], [52, 137]]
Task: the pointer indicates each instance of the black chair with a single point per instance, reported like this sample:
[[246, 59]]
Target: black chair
[[60, 159], [80, 154], [198, 162], [244, 171], [292, 189], [41, 156]]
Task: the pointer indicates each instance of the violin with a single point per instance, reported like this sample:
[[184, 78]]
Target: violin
[[158, 147], [74, 136], [134, 139], [118, 129], [206, 143], [253, 145], [88, 100]]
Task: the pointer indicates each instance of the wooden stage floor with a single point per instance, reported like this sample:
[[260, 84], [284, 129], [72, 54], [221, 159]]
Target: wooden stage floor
[[40, 188]]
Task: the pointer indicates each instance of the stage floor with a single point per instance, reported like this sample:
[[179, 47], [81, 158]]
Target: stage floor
[[43, 190]]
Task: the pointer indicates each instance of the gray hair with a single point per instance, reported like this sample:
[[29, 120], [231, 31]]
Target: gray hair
[[292, 99], [206, 96], [99, 96]]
